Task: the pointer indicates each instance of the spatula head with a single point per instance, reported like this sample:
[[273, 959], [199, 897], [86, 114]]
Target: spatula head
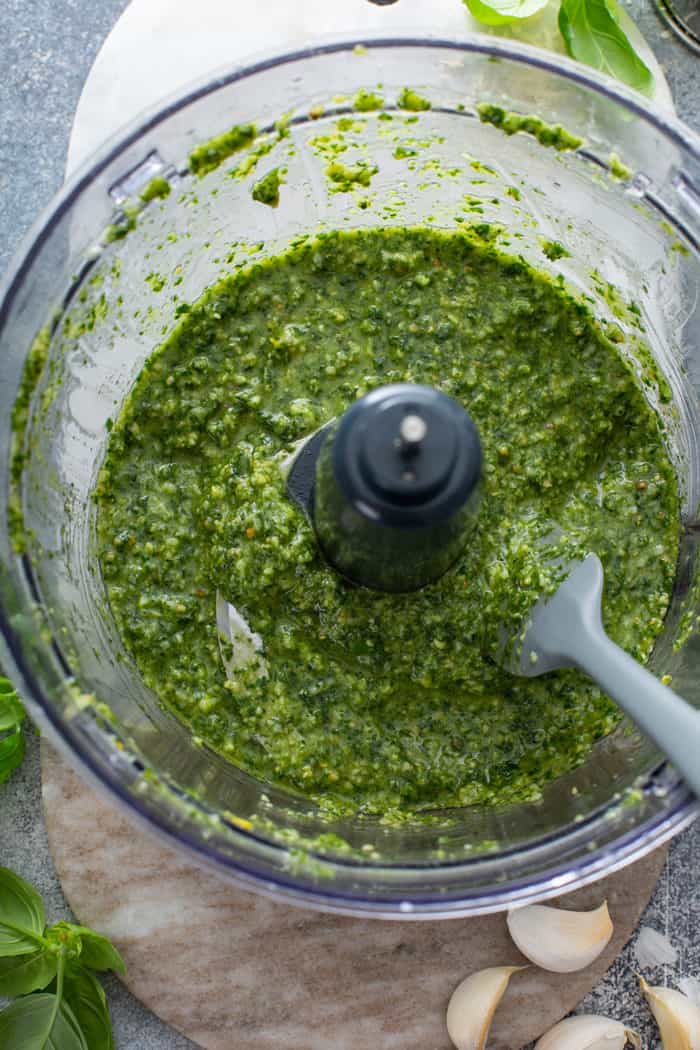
[[543, 642]]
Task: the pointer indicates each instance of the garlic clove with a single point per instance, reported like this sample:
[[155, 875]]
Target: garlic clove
[[676, 1015], [473, 1004], [559, 940], [588, 1032]]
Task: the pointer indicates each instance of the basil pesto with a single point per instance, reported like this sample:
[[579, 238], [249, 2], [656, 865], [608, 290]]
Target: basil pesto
[[374, 703]]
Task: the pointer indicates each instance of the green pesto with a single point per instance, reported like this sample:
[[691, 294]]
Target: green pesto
[[375, 703], [267, 189], [33, 370], [367, 102], [618, 169], [477, 165], [157, 188], [262, 147], [553, 249], [156, 281], [343, 177], [210, 155], [553, 135], [344, 124], [117, 231], [412, 101]]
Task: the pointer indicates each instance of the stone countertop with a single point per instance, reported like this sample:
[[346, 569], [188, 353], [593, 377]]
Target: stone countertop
[[46, 52]]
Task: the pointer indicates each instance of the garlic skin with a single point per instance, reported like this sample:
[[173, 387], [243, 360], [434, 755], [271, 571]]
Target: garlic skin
[[558, 940], [653, 948], [473, 1004], [588, 1032], [676, 1015]]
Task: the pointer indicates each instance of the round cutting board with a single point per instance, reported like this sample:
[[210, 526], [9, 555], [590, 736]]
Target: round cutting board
[[230, 968], [226, 967]]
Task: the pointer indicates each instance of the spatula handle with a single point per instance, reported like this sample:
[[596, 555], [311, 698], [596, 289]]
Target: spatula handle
[[671, 722]]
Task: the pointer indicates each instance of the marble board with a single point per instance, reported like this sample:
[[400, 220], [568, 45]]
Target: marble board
[[235, 971]]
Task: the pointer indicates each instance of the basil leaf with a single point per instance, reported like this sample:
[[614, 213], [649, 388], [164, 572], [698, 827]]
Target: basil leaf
[[501, 12], [40, 1022], [26, 973], [592, 34], [86, 998], [11, 710], [22, 916], [12, 749], [98, 952]]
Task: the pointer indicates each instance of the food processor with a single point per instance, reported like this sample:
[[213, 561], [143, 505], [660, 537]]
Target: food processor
[[101, 281]]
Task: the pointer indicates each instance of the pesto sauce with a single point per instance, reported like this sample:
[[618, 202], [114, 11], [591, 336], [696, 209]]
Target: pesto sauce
[[553, 135], [156, 188], [211, 154], [367, 102], [376, 703], [34, 366], [412, 101], [267, 189]]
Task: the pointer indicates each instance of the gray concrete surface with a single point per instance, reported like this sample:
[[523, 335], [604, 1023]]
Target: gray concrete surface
[[46, 50]]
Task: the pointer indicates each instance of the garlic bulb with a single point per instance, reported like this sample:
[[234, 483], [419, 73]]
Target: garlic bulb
[[677, 1016], [588, 1032], [473, 1004], [559, 940]]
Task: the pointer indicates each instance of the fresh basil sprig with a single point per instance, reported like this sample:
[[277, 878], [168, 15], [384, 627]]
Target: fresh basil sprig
[[11, 734], [503, 12], [62, 1004], [591, 30], [39, 1021], [593, 35]]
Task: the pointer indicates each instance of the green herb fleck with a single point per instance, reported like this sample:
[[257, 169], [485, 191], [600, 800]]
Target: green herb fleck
[[158, 187], [618, 169], [553, 135], [553, 249], [33, 370], [411, 100], [367, 101], [210, 155], [156, 281], [267, 189], [346, 178], [125, 223]]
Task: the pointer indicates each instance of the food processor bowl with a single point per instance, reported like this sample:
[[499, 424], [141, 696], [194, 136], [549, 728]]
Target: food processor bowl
[[102, 279]]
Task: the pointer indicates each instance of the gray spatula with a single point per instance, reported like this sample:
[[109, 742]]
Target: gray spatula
[[566, 630]]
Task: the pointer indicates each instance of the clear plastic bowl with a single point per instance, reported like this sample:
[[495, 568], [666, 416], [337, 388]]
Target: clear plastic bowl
[[91, 300]]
